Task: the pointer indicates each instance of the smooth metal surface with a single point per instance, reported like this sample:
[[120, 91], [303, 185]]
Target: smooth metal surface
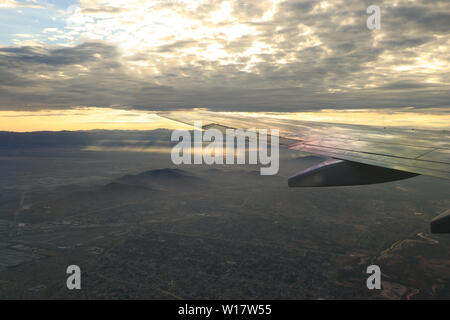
[[441, 223], [345, 173], [413, 150]]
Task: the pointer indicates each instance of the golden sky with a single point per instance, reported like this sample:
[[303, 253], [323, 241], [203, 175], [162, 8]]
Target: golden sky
[[116, 119], [82, 119]]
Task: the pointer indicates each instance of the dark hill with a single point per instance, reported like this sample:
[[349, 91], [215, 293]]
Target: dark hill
[[125, 190], [167, 176]]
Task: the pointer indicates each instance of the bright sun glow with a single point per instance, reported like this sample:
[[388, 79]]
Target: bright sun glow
[[83, 119], [115, 119]]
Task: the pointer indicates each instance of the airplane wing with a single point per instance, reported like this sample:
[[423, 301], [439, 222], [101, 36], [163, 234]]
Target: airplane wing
[[415, 151], [358, 154]]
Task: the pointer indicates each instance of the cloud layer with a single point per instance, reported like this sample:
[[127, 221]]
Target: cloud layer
[[234, 55]]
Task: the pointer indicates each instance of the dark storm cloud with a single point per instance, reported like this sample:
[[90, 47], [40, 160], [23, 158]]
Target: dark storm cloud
[[421, 18], [400, 85], [177, 45], [406, 42], [303, 6], [307, 55], [56, 56]]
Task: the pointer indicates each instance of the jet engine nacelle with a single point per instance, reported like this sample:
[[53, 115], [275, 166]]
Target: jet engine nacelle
[[336, 172]]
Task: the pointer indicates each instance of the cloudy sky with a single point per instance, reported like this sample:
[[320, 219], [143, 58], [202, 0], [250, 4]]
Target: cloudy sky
[[261, 55]]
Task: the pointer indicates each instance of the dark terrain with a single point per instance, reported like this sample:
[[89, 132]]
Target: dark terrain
[[140, 228]]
